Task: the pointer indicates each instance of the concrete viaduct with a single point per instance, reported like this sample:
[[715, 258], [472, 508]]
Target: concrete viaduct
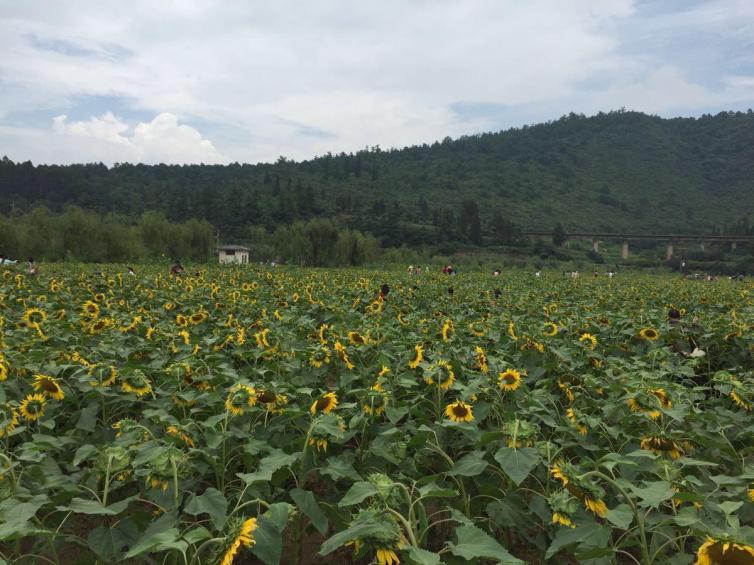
[[669, 238]]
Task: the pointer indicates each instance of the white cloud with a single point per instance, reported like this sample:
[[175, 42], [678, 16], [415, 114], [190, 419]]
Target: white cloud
[[163, 140], [263, 76]]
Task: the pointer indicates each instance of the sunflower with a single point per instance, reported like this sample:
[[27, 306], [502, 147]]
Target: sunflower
[[181, 320], [198, 317], [325, 403], [587, 337], [509, 380], [558, 472], [443, 376], [724, 552], [477, 329], [376, 400], [383, 372], [90, 310], [447, 330], [180, 434], [481, 360], [322, 333], [4, 371], [105, 375], [261, 338], [650, 334], [459, 411], [8, 421], [418, 357], [48, 386], [243, 538], [272, 402], [662, 396], [387, 556], [662, 446], [595, 506], [740, 401], [576, 420], [562, 519], [319, 357], [551, 329], [137, 383], [33, 407], [355, 338], [343, 355], [34, 316], [512, 331], [240, 397]]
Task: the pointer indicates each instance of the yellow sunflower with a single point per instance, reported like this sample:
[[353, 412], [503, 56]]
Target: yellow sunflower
[[418, 357], [325, 403], [343, 355], [34, 316], [33, 407], [90, 310], [240, 397], [551, 329], [355, 338], [724, 552], [740, 401], [481, 360], [587, 337], [387, 556], [443, 376], [562, 519], [137, 383], [650, 334], [8, 420], [4, 371], [447, 330], [459, 411], [244, 538], [509, 380], [48, 386], [181, 320], [662, 446]]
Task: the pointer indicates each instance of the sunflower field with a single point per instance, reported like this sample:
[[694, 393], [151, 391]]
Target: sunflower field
[[250, 415]]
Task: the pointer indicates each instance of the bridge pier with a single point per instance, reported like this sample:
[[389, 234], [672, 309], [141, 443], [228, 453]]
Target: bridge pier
[[595, 245], [669, 251], [701, 246], [624, 250], [732, 245]]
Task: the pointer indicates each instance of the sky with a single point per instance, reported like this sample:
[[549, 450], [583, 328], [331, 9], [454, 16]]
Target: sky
[[221, 81]]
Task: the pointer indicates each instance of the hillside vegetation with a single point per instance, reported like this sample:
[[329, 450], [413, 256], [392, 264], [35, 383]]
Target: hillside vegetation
[[620, 171]]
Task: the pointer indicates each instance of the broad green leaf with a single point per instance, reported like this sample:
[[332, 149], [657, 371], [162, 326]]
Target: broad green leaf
[[470, 465], [569, 536], [339, 468], [355, 531], [422, 556], [109, 542], [83, 453], [653, 493], [621, 516], [517, 463], [210, 502], [83, 506], [474, 542], [358, 492], [276, 460], [160, 533], [308, 505], [269, 541]]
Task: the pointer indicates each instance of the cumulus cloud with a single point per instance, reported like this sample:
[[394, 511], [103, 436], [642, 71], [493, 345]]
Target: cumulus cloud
[[163, 140], [263, 79]]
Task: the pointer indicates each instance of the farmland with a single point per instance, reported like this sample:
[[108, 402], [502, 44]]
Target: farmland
[[292, 415]]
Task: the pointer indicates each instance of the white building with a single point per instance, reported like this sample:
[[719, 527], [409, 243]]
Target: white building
[[233, 254]]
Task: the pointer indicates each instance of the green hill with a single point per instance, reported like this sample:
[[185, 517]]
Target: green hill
[[620, 171]]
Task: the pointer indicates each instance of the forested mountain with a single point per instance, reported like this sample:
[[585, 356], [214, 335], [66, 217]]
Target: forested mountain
[[616, 171]]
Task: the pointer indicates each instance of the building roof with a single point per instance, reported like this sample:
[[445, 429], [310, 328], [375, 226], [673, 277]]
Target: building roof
[[232, 248]]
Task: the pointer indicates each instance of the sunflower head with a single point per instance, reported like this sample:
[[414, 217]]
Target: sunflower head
[[33, 407], [589, 340], [418, 357], [459, 411], [441, 375], [48, 386], [240, 398], [509, 380], [324, 404], [721, 551], [650, 334]]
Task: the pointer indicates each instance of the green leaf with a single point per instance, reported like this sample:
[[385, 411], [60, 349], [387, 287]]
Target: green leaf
[[653, 493], [82, 453], [161, 533], [422, 556], [687, 516], [431, 490], [517, 463], [88, 418], [474, 542], [339, 468], [197, 534], [308, 504], [269, 541], [109, 542], [470, 465], [355, 531], [276, 460], [621, 516], [211, 502], [83, 506], [569, 536], [358, 492], [730, 506]]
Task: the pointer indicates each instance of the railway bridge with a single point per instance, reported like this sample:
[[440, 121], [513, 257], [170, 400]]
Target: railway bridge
[[670, 239]]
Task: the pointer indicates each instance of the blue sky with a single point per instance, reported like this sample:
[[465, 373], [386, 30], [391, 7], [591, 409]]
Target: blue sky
[[215, 81]]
